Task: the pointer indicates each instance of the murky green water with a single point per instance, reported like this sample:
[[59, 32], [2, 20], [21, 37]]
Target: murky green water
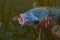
[[10, 29]]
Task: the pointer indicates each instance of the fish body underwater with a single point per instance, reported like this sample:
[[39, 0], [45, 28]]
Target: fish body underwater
[[34, 17]]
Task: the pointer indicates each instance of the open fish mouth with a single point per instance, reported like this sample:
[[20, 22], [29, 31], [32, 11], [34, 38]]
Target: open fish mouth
[[21, 19]]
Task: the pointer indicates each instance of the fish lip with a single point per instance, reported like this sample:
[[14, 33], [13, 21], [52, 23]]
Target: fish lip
[[21, 19]]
